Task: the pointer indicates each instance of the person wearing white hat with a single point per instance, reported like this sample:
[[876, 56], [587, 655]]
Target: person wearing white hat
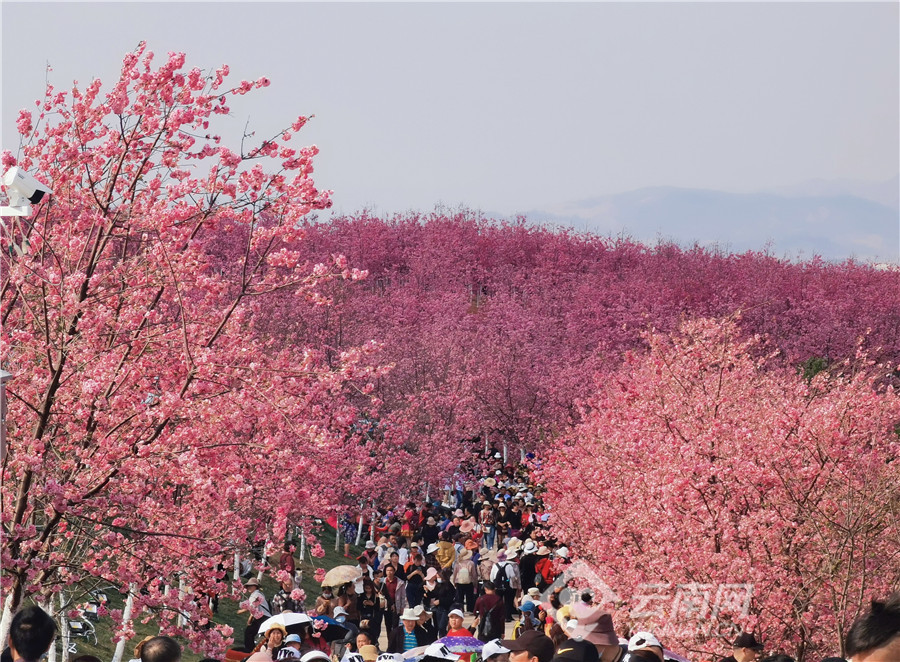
[[494, 651], [645, 646], [409, 634]]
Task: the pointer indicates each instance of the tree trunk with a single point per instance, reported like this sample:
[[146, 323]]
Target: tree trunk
[[126, 618]]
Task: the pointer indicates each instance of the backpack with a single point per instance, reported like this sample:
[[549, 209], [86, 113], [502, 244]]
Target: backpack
[[488, 631], [501, 584]]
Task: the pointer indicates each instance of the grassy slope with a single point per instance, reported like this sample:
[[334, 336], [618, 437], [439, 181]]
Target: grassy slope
[[227, 608]]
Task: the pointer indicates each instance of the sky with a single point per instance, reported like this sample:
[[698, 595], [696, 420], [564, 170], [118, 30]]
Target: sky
[[508, 107]]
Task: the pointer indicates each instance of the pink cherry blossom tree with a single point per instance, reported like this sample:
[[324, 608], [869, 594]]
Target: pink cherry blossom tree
[[153, 431], [704, 465]]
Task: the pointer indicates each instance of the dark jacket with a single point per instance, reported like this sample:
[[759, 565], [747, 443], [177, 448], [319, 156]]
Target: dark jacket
[[398, 634]]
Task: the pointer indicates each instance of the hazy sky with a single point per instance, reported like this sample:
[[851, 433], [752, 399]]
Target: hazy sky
[[510, 106]]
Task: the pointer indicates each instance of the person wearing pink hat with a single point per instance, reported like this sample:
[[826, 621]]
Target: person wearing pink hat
[[597, 627]]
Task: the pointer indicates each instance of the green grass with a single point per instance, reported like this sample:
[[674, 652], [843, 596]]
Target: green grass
[[227, 613]]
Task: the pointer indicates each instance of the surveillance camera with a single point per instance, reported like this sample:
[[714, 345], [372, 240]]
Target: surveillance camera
[[22, 187]]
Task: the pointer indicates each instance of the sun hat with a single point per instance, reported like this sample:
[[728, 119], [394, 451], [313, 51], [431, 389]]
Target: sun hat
[[643, 640], [260, 656], [467, 526], [253, 581], [543, 551], [513, 543], [497, 455], [409, 614], [534, 592], [456, 612], [464, 554], [530, 547], [432, 548], [563, 552], [369, 652], [418, 610], [430, 521], [492, 648], [431, 574], [576, 651], [458, 512], [511, 554], [277, 626], [489, 482], [536, 643], [370, 544], [600, 630]]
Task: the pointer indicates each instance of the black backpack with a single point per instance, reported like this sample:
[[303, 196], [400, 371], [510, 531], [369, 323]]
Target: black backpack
[[487, 626], [501, 584]]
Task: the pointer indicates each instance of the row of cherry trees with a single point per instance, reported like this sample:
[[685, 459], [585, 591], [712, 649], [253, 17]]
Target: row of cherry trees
[[206, 365], [152, 435]]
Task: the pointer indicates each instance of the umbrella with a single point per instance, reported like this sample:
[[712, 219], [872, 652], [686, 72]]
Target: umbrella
[[341, 574], [291, 621], [330, 628], [462, 644]]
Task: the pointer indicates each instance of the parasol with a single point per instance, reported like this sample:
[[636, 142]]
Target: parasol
[[341, 574]]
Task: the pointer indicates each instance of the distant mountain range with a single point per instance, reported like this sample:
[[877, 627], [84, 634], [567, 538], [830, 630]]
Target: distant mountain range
[[833, 219]]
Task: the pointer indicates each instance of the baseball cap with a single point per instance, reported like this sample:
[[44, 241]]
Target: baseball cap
[[492, 648], [456, 612], [747, 640], [293, 639], [536, 643], [643, 640], [576, 651]]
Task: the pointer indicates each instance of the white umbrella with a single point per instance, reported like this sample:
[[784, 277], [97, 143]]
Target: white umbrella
[[284, 619]]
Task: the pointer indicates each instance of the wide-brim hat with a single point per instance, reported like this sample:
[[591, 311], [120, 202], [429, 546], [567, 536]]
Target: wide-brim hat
[[530, 547], [467, 527], [432, 548], [253, 581], [464, 554], [370, 544], [409, 614], [431, 521], [600, 632], [543, 550], [513, 543], [369, 652], [489, 482]]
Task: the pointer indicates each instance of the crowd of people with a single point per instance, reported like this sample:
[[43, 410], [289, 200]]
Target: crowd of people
[[482, 555]]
